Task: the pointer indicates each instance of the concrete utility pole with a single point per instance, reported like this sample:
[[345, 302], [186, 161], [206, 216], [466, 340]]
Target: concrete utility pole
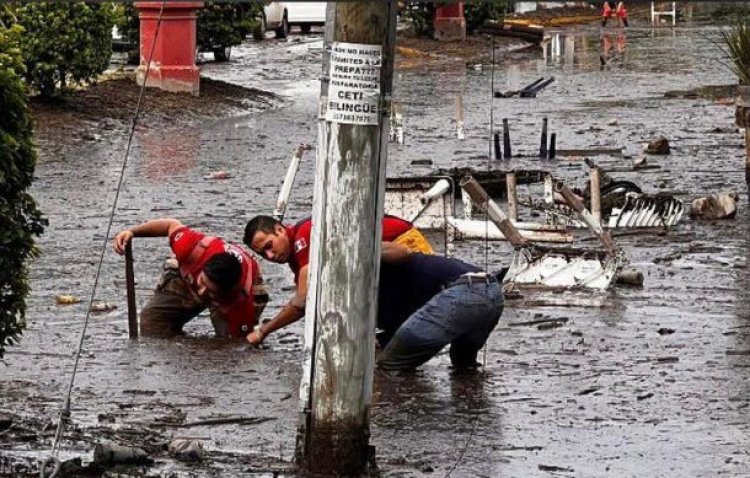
[[345, 246]]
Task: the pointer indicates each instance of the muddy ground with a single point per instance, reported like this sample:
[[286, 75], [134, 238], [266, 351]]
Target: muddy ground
[[652, 382]]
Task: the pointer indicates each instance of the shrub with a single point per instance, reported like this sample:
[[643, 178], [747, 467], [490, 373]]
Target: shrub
[[20, 220], [736, 48], [421, 14], [65, 42]]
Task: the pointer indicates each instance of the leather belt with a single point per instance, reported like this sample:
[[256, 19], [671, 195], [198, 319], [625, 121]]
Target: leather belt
[[473, 278]]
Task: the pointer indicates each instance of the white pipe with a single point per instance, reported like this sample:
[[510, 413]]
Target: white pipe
[[286, 187]]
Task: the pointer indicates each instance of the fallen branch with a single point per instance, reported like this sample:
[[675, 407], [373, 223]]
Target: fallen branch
[[220, 421]]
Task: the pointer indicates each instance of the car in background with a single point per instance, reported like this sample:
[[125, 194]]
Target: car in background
[[280, 17]]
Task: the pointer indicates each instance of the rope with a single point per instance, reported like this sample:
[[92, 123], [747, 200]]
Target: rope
[[65, 412], [483, 373]]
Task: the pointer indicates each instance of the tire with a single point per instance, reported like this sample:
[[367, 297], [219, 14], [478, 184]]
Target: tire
[[283, 30], [222, 53], [259, 33], [305, 28]]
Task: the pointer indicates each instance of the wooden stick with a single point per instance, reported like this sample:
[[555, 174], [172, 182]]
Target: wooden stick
[[130, 285], [510, 182]]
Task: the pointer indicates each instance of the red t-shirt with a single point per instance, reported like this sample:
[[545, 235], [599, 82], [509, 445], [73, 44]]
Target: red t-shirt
[[299, 239], [192, 254]]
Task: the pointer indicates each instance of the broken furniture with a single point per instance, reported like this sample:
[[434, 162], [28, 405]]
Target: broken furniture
[[553, 267]]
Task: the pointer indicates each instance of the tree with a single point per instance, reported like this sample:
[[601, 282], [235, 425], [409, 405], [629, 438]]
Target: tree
[[64, 43], [20, 220]]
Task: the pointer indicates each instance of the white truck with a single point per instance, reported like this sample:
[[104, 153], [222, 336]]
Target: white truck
[[280, 17]]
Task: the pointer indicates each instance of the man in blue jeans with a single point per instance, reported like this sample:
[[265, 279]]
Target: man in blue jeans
[[428, 302]]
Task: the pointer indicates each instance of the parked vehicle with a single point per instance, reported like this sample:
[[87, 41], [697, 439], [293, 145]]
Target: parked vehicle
[[280, 17]]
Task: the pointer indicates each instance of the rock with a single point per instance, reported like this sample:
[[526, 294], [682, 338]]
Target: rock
[[658, 146], [612, 122], [186, 450], [639, 162], [63, 299], [102, 307], [6, 421], [630, 277], [117, 454], [218, 175], [716, 206], [665, 331]]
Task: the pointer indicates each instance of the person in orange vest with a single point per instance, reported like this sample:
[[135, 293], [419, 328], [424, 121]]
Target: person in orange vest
[[622, 13], [606, 13], [205, 272]]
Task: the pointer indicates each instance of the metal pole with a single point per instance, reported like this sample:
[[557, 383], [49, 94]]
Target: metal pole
[[543, 142], [345, 244], [552, 146], [130, 285], [506, 139], [460, 116], [498, 151], [286, 187], [596, 195], [510, 183]]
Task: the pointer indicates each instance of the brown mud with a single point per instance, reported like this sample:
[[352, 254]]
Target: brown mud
[[649, 381]]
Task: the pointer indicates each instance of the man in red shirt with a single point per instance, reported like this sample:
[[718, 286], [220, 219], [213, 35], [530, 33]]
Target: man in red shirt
[[206, 272], [291, 245]]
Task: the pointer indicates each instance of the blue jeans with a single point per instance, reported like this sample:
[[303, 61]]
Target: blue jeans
[[462, 315]]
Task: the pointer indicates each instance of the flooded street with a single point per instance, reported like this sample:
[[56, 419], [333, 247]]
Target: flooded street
[[655, 382]]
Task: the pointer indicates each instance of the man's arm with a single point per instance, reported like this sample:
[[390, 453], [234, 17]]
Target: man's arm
[[153, 228], [289, 314], [392, 252]]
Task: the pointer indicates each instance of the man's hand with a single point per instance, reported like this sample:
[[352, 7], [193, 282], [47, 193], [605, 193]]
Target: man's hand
[[255, 337], [121, 240]]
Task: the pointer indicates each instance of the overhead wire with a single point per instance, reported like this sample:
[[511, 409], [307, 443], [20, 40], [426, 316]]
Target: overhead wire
[[52, 463]]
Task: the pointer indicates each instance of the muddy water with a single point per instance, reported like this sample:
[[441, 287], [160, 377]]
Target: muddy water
[[604, 394]]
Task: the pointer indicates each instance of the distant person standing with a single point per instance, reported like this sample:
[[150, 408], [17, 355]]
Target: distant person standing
[[622, 13], [606, 13]]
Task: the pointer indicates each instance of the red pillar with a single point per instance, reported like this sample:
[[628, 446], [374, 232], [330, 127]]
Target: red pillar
[[173, 65], [450, 24]]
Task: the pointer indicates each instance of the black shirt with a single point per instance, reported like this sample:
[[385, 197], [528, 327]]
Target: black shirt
[[408, 285]]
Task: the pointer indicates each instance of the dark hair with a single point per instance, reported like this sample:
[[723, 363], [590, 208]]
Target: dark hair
[[224, 270], [259, 224]]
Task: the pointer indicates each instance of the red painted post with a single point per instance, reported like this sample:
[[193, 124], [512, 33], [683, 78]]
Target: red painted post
[[173, 64], [450, 23]]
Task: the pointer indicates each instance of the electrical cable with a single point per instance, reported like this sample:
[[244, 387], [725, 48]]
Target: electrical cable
[[53, 459], [483, 372]]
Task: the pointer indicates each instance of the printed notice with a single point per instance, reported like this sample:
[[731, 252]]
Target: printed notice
[[354, 88]]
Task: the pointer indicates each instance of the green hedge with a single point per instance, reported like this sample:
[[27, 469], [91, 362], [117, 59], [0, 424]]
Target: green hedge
[[20, 220], [64, 43]]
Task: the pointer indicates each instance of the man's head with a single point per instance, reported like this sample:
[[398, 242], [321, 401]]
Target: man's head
[[267, 237], [221, 275]]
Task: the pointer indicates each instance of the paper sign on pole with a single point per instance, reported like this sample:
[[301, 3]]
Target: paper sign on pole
[[354, 88]]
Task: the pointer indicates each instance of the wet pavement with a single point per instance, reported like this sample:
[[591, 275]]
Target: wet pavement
[[604, 394]]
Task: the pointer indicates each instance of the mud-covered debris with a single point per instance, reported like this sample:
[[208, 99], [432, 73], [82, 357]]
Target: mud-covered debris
[[716, 206], [665, 331], [640, 162], [658, 146], [645, 396], [422, 162], [556, 468], [121, 455], [612, 122], [102, 307], [668, 359], [551, 325], [186, 450], [560, 320], [218, 175], [63, 299], [630, 277], [6, 420], [589, 390]]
